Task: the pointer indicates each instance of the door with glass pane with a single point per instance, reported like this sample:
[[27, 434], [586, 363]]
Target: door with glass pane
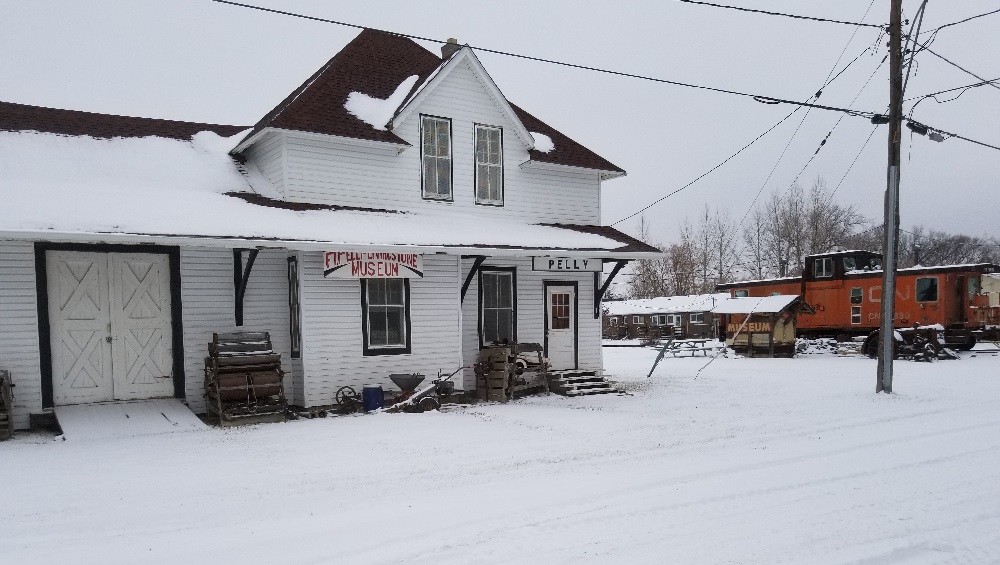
[[560, 328]]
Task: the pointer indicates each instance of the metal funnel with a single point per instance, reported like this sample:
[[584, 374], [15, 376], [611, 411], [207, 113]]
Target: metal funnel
[[407, 382]]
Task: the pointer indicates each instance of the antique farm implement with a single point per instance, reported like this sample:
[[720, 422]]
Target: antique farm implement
[[243, 379]]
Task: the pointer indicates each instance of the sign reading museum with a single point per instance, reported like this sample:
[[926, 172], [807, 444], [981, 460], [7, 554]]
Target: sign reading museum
[[352, 265]]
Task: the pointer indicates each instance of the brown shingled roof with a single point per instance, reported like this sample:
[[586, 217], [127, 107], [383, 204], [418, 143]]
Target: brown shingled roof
[[631, 244], [21, 117], [375, 63]]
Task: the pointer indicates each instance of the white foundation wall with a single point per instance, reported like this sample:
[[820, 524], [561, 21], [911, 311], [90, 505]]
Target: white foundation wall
[[19, 348], [208, 298], [531, 312], [332, 354]]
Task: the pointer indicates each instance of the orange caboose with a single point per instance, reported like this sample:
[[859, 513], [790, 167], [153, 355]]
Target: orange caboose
[[845, 290]]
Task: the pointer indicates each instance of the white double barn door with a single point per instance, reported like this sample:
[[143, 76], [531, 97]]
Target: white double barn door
[[109, 318]]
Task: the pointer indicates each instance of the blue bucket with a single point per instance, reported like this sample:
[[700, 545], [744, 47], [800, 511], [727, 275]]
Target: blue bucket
[[371, 397]]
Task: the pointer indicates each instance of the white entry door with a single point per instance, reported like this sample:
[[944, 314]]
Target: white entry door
[[560, 306], [109, 317]]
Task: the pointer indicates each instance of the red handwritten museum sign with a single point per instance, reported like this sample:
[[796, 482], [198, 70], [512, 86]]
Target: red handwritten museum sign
[[352, 265]]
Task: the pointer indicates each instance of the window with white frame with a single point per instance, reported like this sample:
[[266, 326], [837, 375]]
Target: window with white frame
[[927, 289], [697, 318], [637, 320], [855, 314], [659, 320], [489, 165], [498, 306], [823, 267], [857, 295], [435, 154], [386, 317]]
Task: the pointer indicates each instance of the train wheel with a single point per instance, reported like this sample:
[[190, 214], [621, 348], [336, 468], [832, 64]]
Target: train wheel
[[968, 345]]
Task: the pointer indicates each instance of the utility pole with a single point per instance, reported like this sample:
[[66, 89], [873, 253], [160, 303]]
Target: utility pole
[[891, 222]]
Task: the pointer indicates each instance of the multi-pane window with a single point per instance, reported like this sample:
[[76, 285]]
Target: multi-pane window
[[823, 267], [637, 320], [855, 314], [614, 320], [294, 308], [850, 264], [489, 165], [659, 320], [498, 303], [697, 318], [385, 305], [435, 136], [927, 289], [560, 311], [857, 295]]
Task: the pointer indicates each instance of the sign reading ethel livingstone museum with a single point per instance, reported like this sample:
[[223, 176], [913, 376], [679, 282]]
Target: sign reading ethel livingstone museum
[[353, 265], [566, 264]]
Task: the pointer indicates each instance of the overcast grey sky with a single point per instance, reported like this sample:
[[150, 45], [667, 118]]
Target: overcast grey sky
[[201, 61]]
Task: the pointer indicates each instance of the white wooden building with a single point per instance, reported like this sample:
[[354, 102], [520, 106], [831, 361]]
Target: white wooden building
[[394, 214]]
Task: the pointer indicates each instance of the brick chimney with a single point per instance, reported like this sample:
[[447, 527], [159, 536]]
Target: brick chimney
[[448, 49]]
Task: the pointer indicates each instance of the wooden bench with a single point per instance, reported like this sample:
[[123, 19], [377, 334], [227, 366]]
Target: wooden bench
[[243, 379]]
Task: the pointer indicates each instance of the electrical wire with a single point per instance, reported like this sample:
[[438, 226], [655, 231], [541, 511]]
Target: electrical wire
[[934, 31], [758, 97], [962, 88], [782, 14]]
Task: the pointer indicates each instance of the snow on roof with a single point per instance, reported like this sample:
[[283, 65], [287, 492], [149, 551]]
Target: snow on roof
[[125, 189], [543, 142], [754, 304], [377, 112], [665, 304]]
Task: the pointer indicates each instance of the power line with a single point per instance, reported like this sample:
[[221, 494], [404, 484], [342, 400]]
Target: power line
[[924, 47], [962, 88], [939, 28], [758, 97], [706, 173], [782, 14]]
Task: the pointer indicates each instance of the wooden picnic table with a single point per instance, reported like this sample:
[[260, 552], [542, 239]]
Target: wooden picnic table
[[692, 346]]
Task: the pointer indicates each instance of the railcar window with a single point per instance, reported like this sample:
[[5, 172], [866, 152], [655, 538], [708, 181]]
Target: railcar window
[[927, 289], [742, 293], [856, 295], [973, 286], [855, 314], [876, 264], [823, 267], [849, 264]]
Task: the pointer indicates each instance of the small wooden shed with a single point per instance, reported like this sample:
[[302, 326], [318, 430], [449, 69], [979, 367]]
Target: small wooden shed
[[761, 326]]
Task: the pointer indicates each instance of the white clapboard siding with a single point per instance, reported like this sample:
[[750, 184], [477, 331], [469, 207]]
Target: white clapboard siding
[[332, 332], [208, 297], [19, 352], [268, 156], [531, 312], [332, 172]]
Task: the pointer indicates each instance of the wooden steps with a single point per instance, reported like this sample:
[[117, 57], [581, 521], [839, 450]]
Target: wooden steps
[[576, 382]]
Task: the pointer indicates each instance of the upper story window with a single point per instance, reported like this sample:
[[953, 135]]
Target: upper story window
[[435, 154], [489, 165], [927, 289], [823, 267]]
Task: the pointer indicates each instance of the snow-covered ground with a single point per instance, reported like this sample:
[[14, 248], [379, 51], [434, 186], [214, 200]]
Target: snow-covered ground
[[752, 461]]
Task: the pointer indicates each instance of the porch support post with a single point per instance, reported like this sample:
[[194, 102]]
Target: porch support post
[[472, 272], [599, 292], [241, 275]]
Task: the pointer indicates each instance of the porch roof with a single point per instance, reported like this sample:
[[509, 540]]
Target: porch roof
[[179, 192]]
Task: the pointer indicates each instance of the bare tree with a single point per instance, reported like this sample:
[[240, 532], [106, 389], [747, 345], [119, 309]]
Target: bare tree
[[647, 278]]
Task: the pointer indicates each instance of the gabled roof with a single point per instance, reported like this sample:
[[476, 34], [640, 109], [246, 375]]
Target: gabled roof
[[376, 63], [465, 54], [21, 117]]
